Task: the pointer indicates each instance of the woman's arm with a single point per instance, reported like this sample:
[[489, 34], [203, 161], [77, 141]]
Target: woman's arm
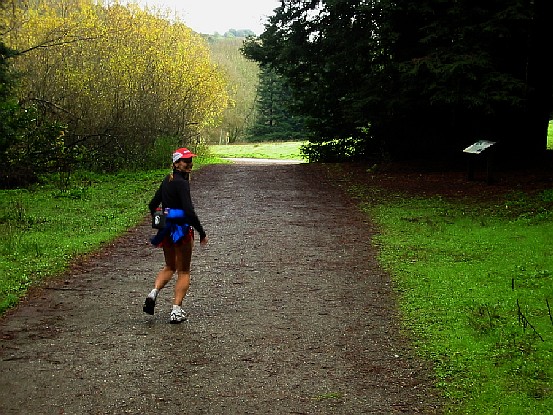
[[156, 200], [188, 207]]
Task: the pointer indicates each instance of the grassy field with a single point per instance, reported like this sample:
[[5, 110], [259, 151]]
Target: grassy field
[[285, 150], [44, 229], [476, 290]]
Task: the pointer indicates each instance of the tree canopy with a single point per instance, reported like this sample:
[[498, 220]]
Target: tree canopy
[[414, 79], [275, 120], [116, 78]]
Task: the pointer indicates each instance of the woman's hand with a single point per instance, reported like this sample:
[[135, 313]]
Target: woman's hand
[[203, 241]]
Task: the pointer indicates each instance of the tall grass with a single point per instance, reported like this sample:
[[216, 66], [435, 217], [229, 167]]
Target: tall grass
[[476, 289]]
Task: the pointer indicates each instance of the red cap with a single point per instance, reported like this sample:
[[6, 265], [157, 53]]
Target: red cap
[[182, 153]]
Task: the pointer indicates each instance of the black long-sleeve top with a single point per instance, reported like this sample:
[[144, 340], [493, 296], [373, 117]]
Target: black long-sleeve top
[[175, 194]]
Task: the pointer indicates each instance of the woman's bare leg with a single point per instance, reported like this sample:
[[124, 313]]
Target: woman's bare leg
[[183, 255], [162, 278], [166, 273]]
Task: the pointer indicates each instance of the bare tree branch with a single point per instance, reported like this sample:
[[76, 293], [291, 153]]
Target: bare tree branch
[[55, 42], [56, 106]]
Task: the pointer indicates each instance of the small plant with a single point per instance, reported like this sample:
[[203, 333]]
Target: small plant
[[330, 395], [484, 318]]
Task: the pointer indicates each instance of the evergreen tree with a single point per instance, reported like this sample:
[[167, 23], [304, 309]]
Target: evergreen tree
[[415, 79], [275, 120]]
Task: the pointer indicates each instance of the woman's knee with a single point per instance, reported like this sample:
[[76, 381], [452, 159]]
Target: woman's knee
[[170, 268], [184, 257]]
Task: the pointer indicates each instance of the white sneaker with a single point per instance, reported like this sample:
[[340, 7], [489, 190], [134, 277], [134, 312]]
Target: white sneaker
[[177, 316]]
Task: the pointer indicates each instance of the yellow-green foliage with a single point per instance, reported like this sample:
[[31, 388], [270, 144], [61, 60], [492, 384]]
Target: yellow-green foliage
[[102, 66]]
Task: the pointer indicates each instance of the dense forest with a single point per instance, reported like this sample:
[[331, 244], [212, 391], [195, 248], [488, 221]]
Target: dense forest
[[259, 106], [113, 86], [414, 79]]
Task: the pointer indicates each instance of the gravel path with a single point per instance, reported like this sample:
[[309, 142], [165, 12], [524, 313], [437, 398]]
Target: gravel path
[[289, 313]]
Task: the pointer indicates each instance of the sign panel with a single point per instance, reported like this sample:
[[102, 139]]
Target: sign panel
[[479, 147]]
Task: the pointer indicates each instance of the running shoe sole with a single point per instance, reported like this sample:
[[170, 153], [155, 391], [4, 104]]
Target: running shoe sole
[[149, 306]]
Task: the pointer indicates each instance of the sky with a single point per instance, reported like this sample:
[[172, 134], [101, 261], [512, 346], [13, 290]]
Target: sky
[[210, 16]]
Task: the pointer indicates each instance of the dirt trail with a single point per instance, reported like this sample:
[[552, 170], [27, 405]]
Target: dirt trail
[[288, 310]]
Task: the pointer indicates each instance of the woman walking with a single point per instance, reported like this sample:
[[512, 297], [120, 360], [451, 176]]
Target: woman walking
[[177, 237]]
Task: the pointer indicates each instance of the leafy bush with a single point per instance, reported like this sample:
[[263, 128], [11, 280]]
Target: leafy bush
[[333, 150]]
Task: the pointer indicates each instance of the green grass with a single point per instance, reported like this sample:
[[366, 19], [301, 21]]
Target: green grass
[[274, 150], [44, 229], [476, 290]]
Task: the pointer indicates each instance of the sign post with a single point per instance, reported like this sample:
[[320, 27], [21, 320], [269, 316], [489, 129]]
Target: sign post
[[476, 150]]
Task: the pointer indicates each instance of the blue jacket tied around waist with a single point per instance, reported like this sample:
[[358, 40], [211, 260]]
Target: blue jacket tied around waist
[[175, 226]]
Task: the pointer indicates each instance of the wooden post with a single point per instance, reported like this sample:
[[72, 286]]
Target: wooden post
[[477, 150], [489, 169]]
